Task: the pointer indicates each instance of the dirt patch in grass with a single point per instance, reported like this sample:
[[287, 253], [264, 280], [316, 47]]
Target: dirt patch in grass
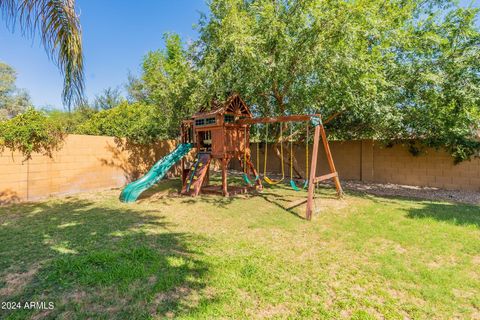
[[272, 311], [172, 295], [186, 294], [169, 304], [15, 282], [76, 296], [154, 195], [401, 295], [43, 315], [386, 245]]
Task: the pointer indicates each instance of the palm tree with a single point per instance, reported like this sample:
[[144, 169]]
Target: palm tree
[[59, 27]]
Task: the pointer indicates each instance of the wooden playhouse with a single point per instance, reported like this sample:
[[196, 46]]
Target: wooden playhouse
[[217, 136]]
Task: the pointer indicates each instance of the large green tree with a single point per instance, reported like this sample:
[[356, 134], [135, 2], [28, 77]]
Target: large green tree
[[169, 82], [397, 69], [438, 86], [13, 101]]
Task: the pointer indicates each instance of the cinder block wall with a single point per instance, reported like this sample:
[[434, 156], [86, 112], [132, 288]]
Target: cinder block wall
[[91, 162], [83, 163], [370, 161], [347, 157], [435, 168], [13, 177]]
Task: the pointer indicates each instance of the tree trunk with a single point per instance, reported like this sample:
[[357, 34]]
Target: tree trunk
[[297, 172]]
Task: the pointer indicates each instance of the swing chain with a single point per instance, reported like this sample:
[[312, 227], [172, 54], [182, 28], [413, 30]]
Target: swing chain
[[265, 177]]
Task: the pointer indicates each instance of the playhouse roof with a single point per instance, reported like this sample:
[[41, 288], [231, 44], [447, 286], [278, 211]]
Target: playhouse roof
[[234, 104]]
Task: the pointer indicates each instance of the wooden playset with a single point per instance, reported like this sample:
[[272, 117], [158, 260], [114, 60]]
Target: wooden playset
[[223, 134]]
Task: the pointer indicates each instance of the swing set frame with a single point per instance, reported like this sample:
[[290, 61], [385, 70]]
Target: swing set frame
[[319, 133], [223, 133]]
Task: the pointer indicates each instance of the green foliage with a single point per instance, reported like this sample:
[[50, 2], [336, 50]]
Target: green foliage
[[108, 99], [169, 82], [398, 69], [139, 122], [30, 132], [70, 121], [441, 102], [13, 101]]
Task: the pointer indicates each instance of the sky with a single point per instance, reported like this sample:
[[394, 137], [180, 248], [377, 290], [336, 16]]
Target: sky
[[116, 35]]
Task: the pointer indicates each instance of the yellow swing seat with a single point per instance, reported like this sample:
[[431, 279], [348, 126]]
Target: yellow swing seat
[[272, 182], [265, 177]]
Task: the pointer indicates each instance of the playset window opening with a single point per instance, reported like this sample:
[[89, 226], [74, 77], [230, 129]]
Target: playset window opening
[[205, 141], [205, 122]]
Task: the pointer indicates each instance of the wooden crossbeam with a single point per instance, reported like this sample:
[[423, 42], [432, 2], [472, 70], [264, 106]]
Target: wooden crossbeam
[[292, 118], [326, 177], [277, 119]]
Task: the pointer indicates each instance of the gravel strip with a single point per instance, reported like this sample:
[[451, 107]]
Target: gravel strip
[[390, 189], [428, 193]]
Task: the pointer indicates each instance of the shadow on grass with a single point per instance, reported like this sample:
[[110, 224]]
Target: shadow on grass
[[453, 213], [167, 189], [294, 202], [457, 214], [280, 195], [98, 262], [163, 191], [280, 201]]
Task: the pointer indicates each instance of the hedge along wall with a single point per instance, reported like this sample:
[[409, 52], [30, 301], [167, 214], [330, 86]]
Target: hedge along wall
[[370, 161], [84, 163], [93, 163]]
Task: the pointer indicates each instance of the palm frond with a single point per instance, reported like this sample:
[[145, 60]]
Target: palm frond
[[59, 27]]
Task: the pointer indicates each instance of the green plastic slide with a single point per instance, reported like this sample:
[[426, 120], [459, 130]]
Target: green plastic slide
[[133, 190]]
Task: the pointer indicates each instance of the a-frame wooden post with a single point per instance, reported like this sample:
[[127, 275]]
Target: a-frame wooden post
[[313, 169], [313, 179], [331, 164]]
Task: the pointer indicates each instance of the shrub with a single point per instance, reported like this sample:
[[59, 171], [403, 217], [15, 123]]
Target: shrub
[[70, 121], [138, 122], [31, 132]]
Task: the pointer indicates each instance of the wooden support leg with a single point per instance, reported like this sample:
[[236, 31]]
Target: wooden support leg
[[224, 177], [313, 170], [182, 168], [331, 164], [206, 180]]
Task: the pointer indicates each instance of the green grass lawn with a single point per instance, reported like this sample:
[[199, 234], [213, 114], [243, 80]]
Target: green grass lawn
[[167, 256]]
